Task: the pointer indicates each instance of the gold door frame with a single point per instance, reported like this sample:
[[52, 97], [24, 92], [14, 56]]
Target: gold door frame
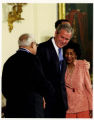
[[61, 10]]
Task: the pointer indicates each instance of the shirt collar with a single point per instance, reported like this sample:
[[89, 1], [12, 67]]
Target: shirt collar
[[55, 46], [24, 49]]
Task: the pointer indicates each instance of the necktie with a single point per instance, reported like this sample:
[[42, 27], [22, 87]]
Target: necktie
[[60, 57]]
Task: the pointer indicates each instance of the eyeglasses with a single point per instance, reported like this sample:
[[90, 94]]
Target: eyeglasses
[[37, 44]]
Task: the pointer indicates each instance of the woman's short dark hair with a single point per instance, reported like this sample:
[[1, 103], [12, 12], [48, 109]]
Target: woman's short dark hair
[[75, 47], [58, 22]]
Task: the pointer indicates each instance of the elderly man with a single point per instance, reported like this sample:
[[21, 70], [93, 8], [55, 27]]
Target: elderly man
[[23, 82], [54, 66]]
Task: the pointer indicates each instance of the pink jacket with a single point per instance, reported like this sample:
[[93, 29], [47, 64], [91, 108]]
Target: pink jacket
[[79, 89]]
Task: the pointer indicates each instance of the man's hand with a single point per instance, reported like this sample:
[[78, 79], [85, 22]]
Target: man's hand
[[44, 103]]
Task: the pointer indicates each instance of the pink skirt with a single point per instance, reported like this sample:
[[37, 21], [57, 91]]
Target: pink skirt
[[84, 114]]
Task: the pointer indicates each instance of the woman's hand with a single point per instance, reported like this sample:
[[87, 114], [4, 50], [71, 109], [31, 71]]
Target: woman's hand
[[90, 113]]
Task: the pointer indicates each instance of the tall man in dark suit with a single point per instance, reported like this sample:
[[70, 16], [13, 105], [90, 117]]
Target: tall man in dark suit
[[23, 82], [54, 67]]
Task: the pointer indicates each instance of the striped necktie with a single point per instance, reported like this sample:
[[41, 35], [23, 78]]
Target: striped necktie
[[60, 57]]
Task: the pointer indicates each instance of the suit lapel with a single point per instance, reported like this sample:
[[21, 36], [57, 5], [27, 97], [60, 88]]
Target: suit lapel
[[55, 59], [53, 55]]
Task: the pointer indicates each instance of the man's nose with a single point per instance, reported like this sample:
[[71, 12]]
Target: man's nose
[[69, 55], [64, 40]]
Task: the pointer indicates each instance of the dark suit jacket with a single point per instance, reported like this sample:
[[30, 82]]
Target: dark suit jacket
[[50, 63], [24, 85]]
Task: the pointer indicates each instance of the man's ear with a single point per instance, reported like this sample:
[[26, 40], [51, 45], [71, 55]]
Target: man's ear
[[56, 32]]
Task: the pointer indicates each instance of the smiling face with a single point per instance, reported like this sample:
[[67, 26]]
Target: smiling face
[[62, 38], [70, 55]]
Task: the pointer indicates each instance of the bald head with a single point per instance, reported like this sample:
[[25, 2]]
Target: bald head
[[25, 40]]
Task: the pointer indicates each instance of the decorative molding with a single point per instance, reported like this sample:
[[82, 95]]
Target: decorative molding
[[15, 14]]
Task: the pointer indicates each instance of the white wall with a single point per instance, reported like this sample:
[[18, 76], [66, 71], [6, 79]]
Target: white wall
[[39, 20], [47, 15]]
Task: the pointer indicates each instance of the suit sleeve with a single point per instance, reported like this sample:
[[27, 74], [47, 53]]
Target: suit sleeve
[[88, 84], [43, 86], [4, 81]]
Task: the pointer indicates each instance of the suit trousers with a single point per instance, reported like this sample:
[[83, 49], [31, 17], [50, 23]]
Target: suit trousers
[[55, 111]]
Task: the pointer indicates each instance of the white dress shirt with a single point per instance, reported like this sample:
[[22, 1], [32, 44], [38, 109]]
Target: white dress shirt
[[55, 46]]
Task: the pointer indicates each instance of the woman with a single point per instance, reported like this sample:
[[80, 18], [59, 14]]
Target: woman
[[78, 83]]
